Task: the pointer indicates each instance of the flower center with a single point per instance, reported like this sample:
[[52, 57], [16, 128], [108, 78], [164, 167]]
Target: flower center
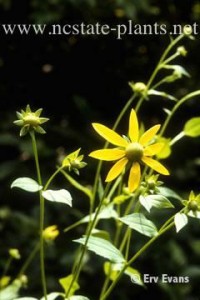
[[134, 152], [31, 119]]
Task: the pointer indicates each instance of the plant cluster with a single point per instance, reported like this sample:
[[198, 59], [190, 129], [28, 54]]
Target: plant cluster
[[133, 188]]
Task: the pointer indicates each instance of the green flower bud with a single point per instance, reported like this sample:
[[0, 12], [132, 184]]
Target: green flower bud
[[29, 121]]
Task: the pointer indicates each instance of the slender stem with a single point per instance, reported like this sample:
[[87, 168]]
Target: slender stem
[[166, 52], [7, 266], [143, 249], [42, 209], [177, 138], [29, 260], [176, 106], [52, 178], [91, 225]]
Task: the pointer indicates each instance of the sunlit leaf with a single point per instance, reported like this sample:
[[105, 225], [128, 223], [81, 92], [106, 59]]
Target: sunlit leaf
[[194, 214], [53, 296], [26, 184], [103, 248], [180, 220], [134, 275], [66, 282], [107, 212], [166, 150], [161, 94], [11, 291], [157, 201], [140, 223], [77, 297], [61, 196], [26, 298], [169, 193], [192, 127]]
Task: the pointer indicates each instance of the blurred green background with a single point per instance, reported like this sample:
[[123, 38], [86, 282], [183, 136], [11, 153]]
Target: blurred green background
[[78, 80]]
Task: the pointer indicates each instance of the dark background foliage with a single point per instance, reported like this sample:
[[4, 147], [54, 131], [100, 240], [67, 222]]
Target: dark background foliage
[[77, 80]]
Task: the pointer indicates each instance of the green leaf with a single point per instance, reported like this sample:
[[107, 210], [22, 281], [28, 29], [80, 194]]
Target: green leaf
[[66, 282], [194, 214], [179, 70], [11, 291], [157, 201], [140, 223], [53, 296], [61, 196], [107, 212], [26, 298], [162, 94], [26, 184], [112, 270], [103, 248], [134, 275], [169, 193], [166, 150], [180, 220], [192, 127], [78, 297], [101, 234]]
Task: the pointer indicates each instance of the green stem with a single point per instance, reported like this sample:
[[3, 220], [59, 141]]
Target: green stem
[[52, 178], [42, 210], [7, 266], [143, 249], [29, 260], [91, 226], [175, 108], [177, 138], [166, 52]]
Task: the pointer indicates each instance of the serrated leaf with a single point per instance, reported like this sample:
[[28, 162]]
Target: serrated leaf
[[61, 196], [157, 201], [140, 223], [26, 184], [192, 127], [102, 248], [180, 220], [66, 282]]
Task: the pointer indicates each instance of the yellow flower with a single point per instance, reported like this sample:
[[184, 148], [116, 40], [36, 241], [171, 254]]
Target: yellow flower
[[135, 150]]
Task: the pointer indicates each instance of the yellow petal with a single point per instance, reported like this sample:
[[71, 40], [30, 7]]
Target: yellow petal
[[116, 169], [133, 126], [108, 154], [153, 149], [155, 165], [110, 135], [134, 177], [149, 134]]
